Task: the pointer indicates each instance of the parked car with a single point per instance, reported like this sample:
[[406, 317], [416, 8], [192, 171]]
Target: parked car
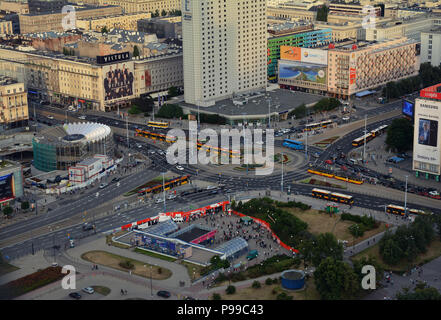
[[164, 294], [82, 117], [75, 295], [252, 255], [88, 290], [103, 185], [159, 200], [50, 117], [116, 179], [171, 197], [180, 167]]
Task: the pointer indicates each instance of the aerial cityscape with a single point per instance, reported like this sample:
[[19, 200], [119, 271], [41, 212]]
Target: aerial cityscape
[[241, 150]]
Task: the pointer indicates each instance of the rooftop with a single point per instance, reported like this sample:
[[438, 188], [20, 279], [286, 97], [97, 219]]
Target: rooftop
[[256, 105]]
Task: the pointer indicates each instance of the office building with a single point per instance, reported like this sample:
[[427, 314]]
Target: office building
[[431, 46], [134, 6], [225, 48], [296, 37], [13, 104], [120, 21]]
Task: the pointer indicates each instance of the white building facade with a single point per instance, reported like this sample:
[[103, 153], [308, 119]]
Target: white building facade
[[224, 48], [431, 47]]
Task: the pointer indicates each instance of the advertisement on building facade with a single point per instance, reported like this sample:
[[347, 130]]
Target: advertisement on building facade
[[6, 189], [147, 78], [118, 80], [315, 56], [298, 71], [427, 134]]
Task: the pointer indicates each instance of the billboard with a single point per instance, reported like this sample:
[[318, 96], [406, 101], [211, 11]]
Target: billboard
[[147, 78], [427, 132], [297, 71], [118, 80], [427, 136], [408, 108], [6, 189], [315, 56]]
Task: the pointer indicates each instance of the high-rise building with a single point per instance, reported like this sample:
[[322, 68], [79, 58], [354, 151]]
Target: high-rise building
[[225, 48], [431, 46]]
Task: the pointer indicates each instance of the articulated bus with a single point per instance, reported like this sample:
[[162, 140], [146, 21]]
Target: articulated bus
[[157, 124], [398, 210], [218, 150], [369, 136], [293, 144], [332, 196], [318, 125], [168, 185], [393, 209], [155, 136]]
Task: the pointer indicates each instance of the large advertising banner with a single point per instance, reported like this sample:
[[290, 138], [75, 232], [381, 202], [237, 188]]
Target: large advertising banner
[[427, 135], [6, 190], [148, 78], [118, 80], [315, 56], [299, 71]]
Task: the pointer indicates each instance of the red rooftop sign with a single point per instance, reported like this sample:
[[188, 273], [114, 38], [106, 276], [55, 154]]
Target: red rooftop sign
[[433, 92]]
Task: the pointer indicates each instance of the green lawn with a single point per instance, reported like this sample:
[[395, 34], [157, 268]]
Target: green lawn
[[191, 267], [433, 252], [101, 290], [6, 268]]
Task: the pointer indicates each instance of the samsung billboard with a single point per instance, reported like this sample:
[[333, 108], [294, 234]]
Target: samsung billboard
[[427, 136], [408, 108]]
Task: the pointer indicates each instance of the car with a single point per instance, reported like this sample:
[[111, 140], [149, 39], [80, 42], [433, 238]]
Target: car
[[116, 179], [50, 117], [214, 191], [103, 185], [345, 118], [88, 226], [189, 298], [180, 168], [88, 290], [171, 197], [164, 294], [159, 200], [82, 117], [211, 187], [75, 295]]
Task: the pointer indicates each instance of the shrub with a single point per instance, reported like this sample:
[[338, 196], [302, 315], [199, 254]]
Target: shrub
[[283, 296], [25, 205], [216, 296], [357, 230], [127, 264], [159, 270], [230, 290], [7, 211], [256, 285], [268, 281]]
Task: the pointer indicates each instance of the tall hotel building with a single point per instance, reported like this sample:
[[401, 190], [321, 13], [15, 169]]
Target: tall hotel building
[[225, 48]]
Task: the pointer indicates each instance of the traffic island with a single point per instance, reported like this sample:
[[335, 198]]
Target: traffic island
[[120, 263]]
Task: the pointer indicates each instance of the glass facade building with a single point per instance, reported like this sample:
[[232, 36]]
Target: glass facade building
[[309, 39]]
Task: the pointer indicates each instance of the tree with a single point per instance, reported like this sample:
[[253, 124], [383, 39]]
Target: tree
[[322, 13], [299, 112], [358, 266], [437, 220], [422, 292], [173, 92], [156, 13], [25, 205], [170, 111], [7, 211], [400, 135], [230, 289], [336, 280], [135, 51], [390, 251], [104, 30], [326, 246], [163, 13], [216, 296], [256, 285]]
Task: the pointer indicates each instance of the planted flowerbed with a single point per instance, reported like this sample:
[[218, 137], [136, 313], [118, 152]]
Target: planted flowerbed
[[30, 282]]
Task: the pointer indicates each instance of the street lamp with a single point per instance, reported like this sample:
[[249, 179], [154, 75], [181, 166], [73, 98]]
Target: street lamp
[[405, 198]]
